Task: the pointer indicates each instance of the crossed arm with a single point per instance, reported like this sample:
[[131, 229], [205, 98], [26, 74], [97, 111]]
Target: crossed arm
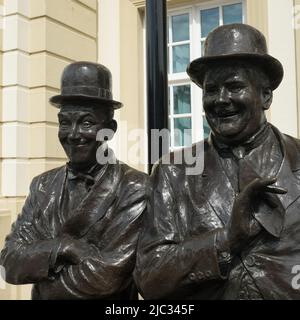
[[68, 268]]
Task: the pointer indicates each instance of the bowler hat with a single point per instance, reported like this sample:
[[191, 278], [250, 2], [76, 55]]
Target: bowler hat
[[236, 42], [86, 81]]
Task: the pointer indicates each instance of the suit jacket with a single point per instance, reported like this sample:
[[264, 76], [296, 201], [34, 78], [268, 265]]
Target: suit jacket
[[108, 220], [178, 254]]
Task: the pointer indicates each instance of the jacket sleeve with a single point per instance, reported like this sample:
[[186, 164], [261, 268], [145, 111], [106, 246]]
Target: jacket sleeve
[[170, 263], [27, 252], [106, 271]]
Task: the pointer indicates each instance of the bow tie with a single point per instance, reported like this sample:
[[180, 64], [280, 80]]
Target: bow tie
[[87, 177]]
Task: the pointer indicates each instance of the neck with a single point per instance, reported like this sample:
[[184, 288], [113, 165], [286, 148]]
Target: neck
[[251, 143], [82, 167]]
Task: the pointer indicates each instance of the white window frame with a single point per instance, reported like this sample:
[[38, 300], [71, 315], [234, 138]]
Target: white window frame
[[195, 48]]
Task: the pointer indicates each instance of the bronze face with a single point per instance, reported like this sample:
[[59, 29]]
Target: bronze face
[[234, 100], [78, 128]]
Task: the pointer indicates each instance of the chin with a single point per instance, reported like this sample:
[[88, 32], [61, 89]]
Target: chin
[[81, 159], [228, 131]]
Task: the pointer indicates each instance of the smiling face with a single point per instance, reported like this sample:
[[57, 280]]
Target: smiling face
[[78, 128], [234, 99]]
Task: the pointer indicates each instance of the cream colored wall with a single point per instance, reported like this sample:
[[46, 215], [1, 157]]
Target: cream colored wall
[[297, 36], [257, 14], [40, 37], [274, 19], [284, 110], [121, 50]]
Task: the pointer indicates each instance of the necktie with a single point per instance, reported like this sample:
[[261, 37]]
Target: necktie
[[268, 209]]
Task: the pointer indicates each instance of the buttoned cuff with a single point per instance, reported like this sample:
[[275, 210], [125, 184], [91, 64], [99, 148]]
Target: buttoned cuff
[[207, 257], [223, 253]]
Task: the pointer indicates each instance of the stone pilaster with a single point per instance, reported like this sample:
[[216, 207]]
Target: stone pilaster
[[39, 38]]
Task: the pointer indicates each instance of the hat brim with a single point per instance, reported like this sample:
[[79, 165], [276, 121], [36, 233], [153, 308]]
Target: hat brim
[[58, 100], [272, 67]]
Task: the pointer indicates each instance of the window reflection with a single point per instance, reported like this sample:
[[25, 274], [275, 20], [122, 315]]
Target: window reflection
[[182, 99], [180, 27], [182, 132]]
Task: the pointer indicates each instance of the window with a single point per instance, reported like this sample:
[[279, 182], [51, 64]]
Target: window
[[187, 31]]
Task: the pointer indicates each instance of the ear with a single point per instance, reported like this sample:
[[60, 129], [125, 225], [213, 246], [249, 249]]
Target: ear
[[113, 125], [267, 98]]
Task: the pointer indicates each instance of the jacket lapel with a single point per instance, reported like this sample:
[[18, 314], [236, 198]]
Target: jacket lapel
[[286, 176], [49, 209], [273, 219], [213, 186], [96, 203]]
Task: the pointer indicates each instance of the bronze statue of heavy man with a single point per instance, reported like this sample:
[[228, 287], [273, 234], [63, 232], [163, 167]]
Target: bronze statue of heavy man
[[76, 236], [232, 232]]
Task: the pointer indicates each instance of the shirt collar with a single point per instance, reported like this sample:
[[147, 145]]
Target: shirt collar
[[255, 141]]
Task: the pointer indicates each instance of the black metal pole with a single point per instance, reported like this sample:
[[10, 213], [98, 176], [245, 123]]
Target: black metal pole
[[157, 71]]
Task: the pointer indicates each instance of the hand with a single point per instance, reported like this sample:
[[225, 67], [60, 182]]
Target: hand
[[72, 251], [242, 226]]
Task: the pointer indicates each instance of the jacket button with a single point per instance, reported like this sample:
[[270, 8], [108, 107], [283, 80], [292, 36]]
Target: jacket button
[[250, 261], [200, 275], [225, 255], [192, 276]]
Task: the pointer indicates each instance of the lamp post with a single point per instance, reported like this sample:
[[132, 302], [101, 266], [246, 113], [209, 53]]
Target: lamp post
[[157, 71]]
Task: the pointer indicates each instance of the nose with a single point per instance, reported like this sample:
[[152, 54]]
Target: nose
[[222, 98], [74, 133]]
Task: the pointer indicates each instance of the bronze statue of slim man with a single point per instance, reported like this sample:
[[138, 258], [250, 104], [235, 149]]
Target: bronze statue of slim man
[[77, 233]]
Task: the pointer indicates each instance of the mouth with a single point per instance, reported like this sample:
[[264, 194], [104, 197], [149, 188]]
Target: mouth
[[228, 114], [78, 145]]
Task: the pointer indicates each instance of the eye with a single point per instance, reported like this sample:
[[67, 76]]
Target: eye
[[235, 87], [63, 123], [87, 124], [211, 89]]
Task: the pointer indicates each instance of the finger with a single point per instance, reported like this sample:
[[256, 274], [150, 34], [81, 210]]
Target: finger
[[275, 189], [264, 182], [259, 184], [25, 230], [24, 236]]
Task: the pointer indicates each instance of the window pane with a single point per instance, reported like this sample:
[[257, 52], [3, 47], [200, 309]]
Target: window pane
[[182, 132], [168, 29], [181, 27], [209, 21], [168, 60], [182, 99], [206, 128], [233, 13], [181, 58]]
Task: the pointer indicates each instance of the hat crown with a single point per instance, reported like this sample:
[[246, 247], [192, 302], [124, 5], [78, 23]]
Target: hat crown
[[87, 78], [86, 74], [235, 39], [236, 42], [86, 81]]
